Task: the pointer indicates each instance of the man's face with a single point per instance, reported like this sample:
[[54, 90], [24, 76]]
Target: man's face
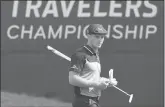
[[96, 40]]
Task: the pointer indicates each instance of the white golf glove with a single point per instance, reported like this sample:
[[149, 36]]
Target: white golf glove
[[113, 81], [105, 80], [109, 82]]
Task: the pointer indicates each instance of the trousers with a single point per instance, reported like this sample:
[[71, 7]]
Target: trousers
[[85, 101]]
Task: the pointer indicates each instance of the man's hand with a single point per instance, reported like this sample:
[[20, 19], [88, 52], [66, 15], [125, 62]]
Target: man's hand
[[105, 80], [101, 85], [109, 82], [113, 82], [104, 83]]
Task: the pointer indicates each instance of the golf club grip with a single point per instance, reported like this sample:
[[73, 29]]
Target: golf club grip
[[59, 53]]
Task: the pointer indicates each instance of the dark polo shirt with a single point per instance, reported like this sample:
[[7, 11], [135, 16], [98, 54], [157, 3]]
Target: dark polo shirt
[[85, 62]]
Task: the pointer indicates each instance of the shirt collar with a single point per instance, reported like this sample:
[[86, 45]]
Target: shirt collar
[[90, 49]]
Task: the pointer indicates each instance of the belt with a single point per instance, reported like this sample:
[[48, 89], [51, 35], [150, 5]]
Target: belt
[[94, 98]]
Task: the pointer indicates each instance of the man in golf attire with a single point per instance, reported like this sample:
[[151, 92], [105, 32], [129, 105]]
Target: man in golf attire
[[85, 69]]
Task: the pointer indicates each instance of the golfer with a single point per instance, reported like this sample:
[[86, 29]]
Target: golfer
[[85, 69]]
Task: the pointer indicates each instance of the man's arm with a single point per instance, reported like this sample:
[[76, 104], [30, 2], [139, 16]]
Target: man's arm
[[77, 65], [76, 80]]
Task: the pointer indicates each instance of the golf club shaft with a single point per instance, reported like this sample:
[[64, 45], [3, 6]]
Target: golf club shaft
[[121, 90]]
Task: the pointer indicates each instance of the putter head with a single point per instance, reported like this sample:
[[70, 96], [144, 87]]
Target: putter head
[[130, 98]]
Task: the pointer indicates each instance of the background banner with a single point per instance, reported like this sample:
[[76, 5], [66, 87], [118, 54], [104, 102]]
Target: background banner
[[133, 47]]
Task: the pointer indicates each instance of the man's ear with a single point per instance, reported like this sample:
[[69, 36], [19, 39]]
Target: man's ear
[[88, 35]]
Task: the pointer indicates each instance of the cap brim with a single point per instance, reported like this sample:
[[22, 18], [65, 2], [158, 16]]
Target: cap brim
[[102, 34]]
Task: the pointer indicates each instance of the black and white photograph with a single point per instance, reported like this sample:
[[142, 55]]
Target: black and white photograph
[[82, 53]]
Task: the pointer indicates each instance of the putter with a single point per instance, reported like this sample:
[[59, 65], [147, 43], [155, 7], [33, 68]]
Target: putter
[[69, 59], [111, 77]]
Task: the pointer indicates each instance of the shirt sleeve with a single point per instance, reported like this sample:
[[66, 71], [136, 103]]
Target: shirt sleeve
[[77, 63]]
